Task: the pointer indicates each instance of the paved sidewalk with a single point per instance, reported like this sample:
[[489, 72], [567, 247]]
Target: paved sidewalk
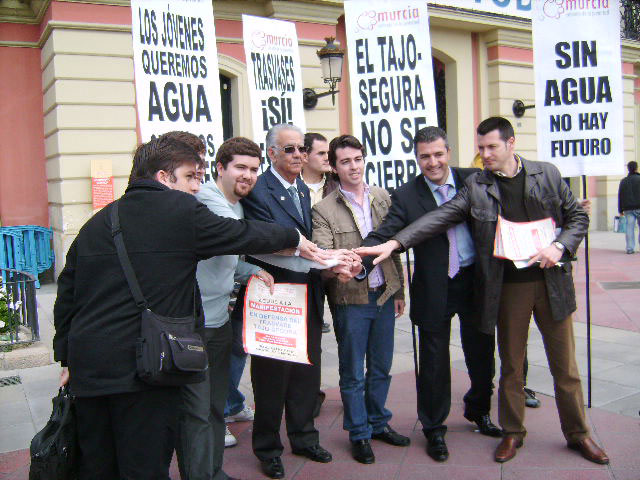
[[615, 349]]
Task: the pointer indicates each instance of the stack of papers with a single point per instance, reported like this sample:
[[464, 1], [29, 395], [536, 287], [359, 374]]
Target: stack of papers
[[519, 241]]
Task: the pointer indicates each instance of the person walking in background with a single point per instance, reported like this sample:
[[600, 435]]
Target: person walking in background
[[629, 204]]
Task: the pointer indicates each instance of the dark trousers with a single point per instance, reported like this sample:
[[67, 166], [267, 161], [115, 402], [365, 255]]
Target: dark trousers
[[434, 377], [127, 436], [290, 387], [201, 445]]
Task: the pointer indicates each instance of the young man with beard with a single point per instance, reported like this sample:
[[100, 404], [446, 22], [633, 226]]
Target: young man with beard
[[364, 312], [202, 424]]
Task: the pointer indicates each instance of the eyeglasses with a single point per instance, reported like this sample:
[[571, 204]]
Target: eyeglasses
[[289, 149]]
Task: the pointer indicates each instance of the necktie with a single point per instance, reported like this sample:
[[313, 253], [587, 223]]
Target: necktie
[[454, 261], [293, 191]]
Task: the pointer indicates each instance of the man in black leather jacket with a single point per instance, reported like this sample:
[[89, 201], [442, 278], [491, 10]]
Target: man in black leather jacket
[[518, 190]]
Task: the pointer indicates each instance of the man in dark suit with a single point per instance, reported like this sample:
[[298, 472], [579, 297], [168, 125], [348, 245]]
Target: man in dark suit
[[442, 285], [280, 196]]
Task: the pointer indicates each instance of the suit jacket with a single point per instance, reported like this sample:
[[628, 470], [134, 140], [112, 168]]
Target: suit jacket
[[429, 283], [270, 202], [334, 226]]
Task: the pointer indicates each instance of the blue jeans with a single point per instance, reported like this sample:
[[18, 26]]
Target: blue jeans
[[235, 398], [365, 332], [632, 217]]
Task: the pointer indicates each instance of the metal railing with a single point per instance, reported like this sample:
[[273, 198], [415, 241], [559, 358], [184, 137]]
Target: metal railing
[[18, 309], [630, 19]]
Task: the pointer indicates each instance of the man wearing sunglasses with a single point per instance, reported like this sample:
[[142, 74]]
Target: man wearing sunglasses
[[280, 196]]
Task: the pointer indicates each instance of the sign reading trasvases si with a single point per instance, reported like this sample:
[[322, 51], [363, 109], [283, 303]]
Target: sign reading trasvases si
[[275, 79], [176, 70], [392, 91], [578, 77]]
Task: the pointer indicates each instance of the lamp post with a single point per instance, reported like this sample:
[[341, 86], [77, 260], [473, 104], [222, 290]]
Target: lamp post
[[331, 58]]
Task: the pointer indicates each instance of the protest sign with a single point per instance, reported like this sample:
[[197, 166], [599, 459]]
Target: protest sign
[[275, 79], [275, 326], [176, 70], [392, 91], [578, 78], [513, 8]]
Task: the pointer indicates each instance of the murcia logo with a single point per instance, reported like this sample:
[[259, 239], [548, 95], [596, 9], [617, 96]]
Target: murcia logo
[[261, 40], [556, 8], [369, 19]]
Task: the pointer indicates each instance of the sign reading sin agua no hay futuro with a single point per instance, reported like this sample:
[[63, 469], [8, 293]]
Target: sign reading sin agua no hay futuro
[[578, 78], [176, 70], [275, 79], [391, 78]]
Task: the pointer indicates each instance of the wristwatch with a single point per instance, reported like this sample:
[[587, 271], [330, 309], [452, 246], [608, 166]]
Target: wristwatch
[[559, 246]]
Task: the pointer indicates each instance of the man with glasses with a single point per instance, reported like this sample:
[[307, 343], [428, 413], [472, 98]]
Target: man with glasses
[[280, 196]]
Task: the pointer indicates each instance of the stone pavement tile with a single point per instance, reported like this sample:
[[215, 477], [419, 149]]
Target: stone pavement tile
[[622, 448], [21, 473], [14, 414], [11, 394], [10, 462], [622, 375], [41, 409], [523, 473], [44, 388], [448, 472], [603, 421], [46, 372], [345, 471], [16, 437], [330, 414], [625, 473], [613, 351], [627, 406]]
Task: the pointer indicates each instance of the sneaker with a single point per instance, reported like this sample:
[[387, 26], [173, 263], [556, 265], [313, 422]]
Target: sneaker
[[229, 439], [530, 399], [629, 252], [244, 415]]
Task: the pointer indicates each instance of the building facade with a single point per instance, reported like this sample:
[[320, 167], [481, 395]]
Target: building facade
[[68, 94]]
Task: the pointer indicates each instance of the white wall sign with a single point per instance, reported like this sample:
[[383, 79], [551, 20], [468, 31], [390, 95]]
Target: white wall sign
[[392, 91], [578, 78], [513, 8], [176, 70], [275, 79]]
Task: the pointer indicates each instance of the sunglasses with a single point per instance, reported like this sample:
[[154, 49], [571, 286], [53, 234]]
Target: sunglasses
[[289, 149]]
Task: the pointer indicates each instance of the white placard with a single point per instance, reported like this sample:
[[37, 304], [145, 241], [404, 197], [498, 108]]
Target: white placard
[[392, 91], [176, 70], [578, 77], [513, 8], [275, 326], [275, 78]]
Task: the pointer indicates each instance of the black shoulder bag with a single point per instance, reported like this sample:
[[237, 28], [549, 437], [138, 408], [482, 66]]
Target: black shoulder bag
[[168, 352]]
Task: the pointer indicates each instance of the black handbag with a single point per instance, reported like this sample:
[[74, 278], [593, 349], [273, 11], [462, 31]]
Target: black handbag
[[54, 448], [169, 352]]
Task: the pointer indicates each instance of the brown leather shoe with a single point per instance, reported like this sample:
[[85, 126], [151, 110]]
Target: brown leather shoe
[[590, 451], [507, 449]]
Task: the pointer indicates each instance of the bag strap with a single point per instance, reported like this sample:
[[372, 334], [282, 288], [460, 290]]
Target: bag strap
[[129, 274]]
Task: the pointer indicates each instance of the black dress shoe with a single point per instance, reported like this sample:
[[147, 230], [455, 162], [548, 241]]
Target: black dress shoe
[[390, 436], [273, 467], [437, 448], [485, 425], [361, 451], [315, 453], [325, 327]]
